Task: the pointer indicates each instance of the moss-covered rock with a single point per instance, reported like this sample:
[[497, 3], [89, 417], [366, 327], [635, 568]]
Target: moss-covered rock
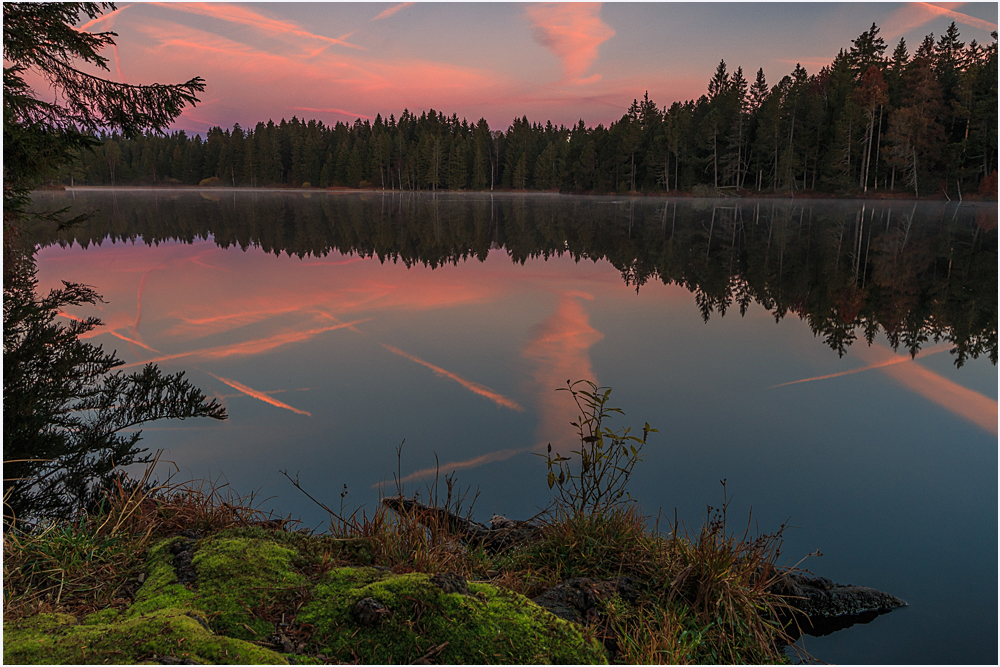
[[174, 635], [245, 583], [488, 625]]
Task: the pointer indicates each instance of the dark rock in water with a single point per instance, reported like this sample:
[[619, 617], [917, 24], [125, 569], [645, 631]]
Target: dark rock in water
[[450, 582], [826, 606], [579, 600], [369, 612]]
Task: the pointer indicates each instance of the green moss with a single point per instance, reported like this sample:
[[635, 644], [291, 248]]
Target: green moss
[[179, 634], [160, 590], [101, 617], [243, 582], [489, 625], [238, 574]]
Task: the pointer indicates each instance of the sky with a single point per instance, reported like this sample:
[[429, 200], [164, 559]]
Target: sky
[[548, 61]]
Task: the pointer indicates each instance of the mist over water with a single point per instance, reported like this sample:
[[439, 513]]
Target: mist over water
[[834, 361]]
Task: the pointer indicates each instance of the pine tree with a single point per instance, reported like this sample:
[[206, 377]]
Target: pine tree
[[39, 136]]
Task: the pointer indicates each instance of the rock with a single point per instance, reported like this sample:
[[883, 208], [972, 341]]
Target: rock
[[183, 551], [579, 600], [826, 606], [369, 612], [451, 583], [499, 535]]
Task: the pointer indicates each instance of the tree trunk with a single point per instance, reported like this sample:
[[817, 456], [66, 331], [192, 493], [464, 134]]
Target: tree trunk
[[715, 156], [878, 144]]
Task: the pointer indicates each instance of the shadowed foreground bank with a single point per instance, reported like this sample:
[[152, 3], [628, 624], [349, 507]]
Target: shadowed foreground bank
[[190, 574]]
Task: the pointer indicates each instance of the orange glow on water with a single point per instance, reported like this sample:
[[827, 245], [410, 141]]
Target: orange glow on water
[[474, 387]]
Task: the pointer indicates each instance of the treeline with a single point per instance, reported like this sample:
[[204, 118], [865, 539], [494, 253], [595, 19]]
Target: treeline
[[851, 270], [870, 121]]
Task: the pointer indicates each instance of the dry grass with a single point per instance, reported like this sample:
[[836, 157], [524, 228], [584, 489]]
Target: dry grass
[[95, 561], [703, 598]]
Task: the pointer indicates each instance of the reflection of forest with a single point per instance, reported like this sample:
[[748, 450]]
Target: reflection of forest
[[920, 273]]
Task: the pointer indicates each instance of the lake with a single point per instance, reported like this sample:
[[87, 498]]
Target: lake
[[771, 342]]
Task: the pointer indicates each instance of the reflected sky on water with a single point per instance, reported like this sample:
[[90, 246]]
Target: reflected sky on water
[[333, 326]]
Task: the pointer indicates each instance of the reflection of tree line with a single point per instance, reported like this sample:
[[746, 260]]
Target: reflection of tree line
[[849, 269]]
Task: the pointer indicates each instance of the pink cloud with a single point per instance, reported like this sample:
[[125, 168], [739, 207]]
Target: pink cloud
[[572, 31], [317, 81], [959, 17], [914, 15], [392, 10], [243, 16], [104, 17]]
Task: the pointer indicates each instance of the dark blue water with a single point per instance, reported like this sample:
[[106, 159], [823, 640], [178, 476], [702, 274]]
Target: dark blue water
[[336, 325]]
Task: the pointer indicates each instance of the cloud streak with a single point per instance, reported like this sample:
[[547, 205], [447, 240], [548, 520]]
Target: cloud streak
[[250, 347], [898, 359], [958, 17], [960, 401], [451, 466], [386, 13], [259, 395], [243, 16], [474, 387], [572, 31], [916, 14]]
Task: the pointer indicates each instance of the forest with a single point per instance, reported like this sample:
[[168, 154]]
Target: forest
[[872, 121], [851, 270]]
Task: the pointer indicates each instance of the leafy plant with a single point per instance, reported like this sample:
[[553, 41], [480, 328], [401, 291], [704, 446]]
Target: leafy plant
[[606, 457]]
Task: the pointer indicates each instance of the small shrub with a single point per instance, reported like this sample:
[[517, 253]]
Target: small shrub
[[606, 457], [210, 182]]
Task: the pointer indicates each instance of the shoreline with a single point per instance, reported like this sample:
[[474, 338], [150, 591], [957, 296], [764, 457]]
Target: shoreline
[[810, 195]]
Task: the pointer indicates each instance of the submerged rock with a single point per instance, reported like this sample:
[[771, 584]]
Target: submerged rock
[[826, 606]]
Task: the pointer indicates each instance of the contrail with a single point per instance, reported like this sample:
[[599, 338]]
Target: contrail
[[881, 364], [501, 455], [259, 395], [249, 347], [115, 334], [474, 387]]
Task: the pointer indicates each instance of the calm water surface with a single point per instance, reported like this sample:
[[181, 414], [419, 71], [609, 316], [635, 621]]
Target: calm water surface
[[333, 326]]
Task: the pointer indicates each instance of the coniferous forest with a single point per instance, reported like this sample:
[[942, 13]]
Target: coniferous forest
[[873, 121]]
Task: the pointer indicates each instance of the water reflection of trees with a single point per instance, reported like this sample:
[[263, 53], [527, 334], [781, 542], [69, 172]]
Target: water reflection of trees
[[919, 273]]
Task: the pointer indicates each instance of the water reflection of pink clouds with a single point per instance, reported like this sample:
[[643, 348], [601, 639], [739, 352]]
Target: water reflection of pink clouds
[[250, 347], [259, 395], [960, 401], [560, 350], [99, 331], [474, 387], [138, 300], [895, 359], [451, 466]]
